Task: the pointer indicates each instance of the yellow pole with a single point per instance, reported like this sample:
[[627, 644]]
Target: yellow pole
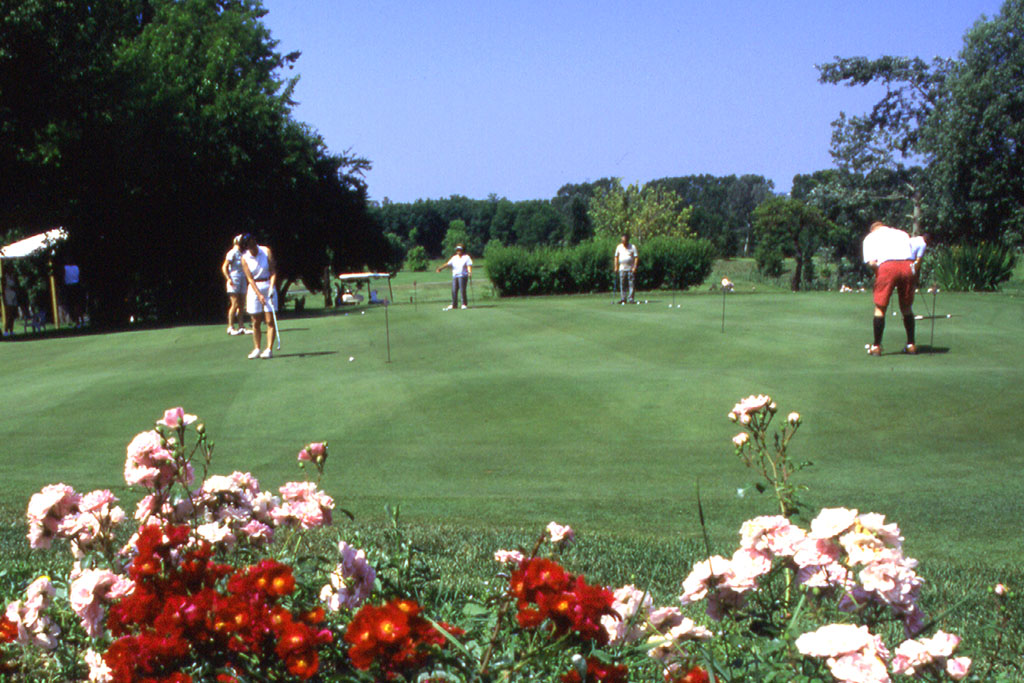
[[3, 297], [53, 298]]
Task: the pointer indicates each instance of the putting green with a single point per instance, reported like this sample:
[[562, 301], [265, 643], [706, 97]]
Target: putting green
[[517, 412]]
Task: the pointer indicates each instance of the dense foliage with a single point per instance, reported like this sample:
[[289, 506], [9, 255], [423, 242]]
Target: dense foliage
[[587, 267], [972, 267], [156, 129]]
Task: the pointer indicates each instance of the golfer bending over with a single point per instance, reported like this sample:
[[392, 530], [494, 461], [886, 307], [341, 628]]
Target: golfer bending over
[[261, 298], [462, 270], [889, 253]]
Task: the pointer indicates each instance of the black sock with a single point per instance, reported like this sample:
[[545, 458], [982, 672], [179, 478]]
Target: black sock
[[909, 324], [879, 327]]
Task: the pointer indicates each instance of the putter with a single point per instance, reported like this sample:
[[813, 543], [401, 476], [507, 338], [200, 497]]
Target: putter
[[277, 328]]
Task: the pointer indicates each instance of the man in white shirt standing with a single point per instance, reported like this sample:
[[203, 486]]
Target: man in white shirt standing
[[462, 269], [889, 252], [625, 264]]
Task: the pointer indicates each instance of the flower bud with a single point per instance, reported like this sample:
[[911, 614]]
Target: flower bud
[[772, 407], [741, 439], [201, 428], [1000, 590], [793, 419]]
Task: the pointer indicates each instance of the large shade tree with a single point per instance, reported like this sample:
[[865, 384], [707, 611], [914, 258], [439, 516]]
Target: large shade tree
[[155, 130], [962, 119]]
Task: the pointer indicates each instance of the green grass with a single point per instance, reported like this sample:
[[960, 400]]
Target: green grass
[[522, 411]]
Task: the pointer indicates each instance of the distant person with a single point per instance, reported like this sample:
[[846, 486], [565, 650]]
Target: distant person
[[261, 298], [462, 269], [234, 278], [626, 260], [889, 253], [74, 297], [10, 294], [918, 245]]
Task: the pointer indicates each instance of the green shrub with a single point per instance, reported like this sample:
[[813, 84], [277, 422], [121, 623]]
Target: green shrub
[[416, 260], [971, 268], [770, 262], [587, 267]]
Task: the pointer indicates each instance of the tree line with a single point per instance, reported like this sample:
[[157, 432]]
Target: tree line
[[155, 130]]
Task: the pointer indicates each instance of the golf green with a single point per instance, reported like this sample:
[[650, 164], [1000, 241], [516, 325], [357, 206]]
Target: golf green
[[516, 412]]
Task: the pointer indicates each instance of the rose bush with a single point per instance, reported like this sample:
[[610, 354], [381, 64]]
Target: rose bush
[[195, 594]]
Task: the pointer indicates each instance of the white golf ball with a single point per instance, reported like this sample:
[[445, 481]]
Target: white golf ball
[[351, 358], [362, 312]]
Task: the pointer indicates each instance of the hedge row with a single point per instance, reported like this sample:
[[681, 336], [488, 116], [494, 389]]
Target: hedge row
[[587, 268]]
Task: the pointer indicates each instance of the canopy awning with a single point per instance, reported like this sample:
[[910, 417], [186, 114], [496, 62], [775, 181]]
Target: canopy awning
[[34, 244], [348, 277]]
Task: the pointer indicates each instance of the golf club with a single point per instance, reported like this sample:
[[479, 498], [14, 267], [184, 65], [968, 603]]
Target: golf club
[[277, 328]]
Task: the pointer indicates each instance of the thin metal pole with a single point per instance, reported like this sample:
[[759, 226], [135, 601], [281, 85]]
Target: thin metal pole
[[387, 330]]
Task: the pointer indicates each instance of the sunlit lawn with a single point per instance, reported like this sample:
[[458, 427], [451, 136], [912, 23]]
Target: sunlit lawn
[[517, 412]]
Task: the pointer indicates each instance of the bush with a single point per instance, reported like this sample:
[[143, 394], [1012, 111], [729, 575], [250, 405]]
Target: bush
[[416, 260], [676, 263], [770, 262], [587, 267], [971, 268]]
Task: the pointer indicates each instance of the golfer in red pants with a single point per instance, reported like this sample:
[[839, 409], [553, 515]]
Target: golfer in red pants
[[888, 251]]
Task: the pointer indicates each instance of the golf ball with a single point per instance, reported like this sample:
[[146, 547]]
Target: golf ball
[[351, 358]]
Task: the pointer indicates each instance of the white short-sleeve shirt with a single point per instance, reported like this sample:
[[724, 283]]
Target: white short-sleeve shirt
[[626, 256], [887, 244], [460, 264]]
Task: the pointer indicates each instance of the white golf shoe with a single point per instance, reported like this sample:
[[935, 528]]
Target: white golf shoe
[[464, 306], [448, 307], [255, 353], [267, 353]]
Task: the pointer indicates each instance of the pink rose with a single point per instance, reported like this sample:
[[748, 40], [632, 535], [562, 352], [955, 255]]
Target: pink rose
[[958, 667], [175, 417], [560, 533], [508, 556]]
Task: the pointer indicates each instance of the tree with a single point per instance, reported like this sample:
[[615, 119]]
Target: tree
[[456, 235], [792, 228], [641, 212], [154, 130], [891, 132], [975, 137]]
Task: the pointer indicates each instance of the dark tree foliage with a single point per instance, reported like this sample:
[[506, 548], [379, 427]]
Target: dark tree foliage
[[154, 130], [975, 136], [792, 228]]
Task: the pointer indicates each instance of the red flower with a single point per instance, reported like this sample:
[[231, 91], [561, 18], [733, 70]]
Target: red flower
[[546, 592], [8, 630], [694, 675], [394, 636], [598, 671]]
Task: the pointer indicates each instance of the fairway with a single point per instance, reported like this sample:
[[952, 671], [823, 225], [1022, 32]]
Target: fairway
[[520, 411]]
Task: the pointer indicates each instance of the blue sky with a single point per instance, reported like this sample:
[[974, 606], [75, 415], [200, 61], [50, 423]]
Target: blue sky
[[519, 98]]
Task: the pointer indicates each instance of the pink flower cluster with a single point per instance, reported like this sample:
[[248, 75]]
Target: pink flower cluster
[[176, 417], [29, 616], [58, 511], [314, 452], [509, 556], [859, 555], [853, 654], [91, 591], [751, 405], [152, 464], [302, 505], [915, 657], [352, 580], [665, 629]]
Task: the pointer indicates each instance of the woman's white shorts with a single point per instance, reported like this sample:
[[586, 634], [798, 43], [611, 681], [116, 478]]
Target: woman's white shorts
[[252, 302]]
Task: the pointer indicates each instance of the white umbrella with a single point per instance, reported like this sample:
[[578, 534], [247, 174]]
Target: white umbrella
[[27, 247], [33, 244]]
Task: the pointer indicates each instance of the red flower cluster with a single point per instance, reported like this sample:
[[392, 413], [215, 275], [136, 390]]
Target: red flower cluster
[[8, 630], [694, 675], [394, 636], [177, 614], [545, 591], [598, 671]]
